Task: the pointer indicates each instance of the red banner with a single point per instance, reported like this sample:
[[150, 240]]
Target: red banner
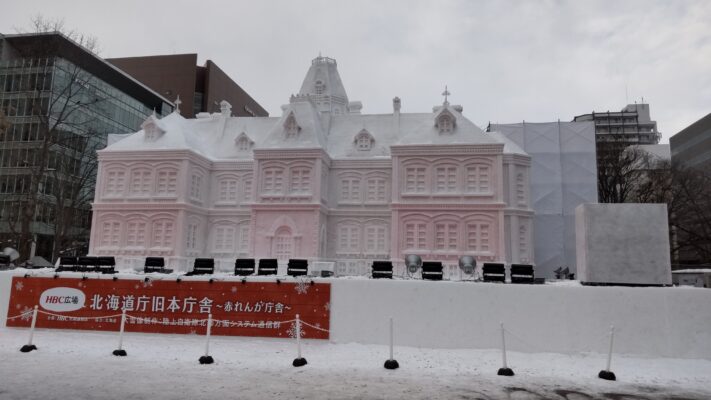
[[167, 306]]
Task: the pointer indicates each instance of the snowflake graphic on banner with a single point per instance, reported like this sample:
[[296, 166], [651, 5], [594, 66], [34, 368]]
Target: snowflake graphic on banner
[[327, 306], [234, 289], [292, 330], [19, 286], [301, 287], [26, 313]]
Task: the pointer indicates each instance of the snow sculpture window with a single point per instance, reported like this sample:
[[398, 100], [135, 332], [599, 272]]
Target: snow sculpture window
[[520, 189], [140, 182], [477, 179], [364, 141], [320, 87], [135, 234], [166, 182], [195, 183], [478, 237], [446, 179], [376, 239], [224, 238], [445, 122], [415, 179], [300, 182], [273, 180], [110, 234], [291, 127], [415, 236], [283, 244], [350, 190], [227, 190], [523, 243], [247, 188], [243, 244], [191, 242], [446, 235], [162, 233], [376, 190], [349, 238], [115, 181]]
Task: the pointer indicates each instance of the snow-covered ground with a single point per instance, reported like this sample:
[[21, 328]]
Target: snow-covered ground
[[79, 365]]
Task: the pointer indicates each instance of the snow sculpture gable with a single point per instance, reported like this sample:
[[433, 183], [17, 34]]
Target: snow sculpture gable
[[243, 142], [363, 141], [291, 127], [445, 121], [152, 128]]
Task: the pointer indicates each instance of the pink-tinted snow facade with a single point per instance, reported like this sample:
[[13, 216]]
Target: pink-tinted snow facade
[[322, 181]]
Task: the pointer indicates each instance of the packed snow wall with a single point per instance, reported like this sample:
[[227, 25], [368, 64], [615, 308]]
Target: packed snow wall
[[652, 322], [563, 176]]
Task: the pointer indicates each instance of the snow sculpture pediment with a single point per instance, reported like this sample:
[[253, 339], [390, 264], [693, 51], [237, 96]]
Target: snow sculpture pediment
[[363, 141], [445, 121], [291, 127], [152, 128]]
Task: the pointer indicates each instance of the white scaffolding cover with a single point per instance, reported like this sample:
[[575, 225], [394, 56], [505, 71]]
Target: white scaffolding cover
[[563, 175]]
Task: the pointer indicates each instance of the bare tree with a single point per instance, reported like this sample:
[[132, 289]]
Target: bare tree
[[618, 167], [58, 174]]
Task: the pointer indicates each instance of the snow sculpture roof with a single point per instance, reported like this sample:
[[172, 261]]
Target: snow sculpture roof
[[214, 136]]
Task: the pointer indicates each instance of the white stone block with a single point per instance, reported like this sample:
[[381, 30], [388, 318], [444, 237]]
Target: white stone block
[[623, 244]]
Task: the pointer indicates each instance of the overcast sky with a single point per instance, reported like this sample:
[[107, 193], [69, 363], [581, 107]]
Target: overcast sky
[[504, 61]]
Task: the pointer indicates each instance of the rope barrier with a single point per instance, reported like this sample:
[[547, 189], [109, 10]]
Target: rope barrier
[[315, 327], [20, 315], [78, 318]]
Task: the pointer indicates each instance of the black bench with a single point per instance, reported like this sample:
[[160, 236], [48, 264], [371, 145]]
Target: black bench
[[432, 270], [268, 266], [203, 266], [522, 273], [297, 267], [244, 266], [382, 270], [155, 264], [494, 272]]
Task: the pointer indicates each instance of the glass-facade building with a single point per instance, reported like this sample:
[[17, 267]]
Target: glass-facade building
[[58, 103]]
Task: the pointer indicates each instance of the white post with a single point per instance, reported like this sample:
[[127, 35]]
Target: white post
[[123, 323], [609, 354], [32, 326], [207, 341], [503, 346], [298, 337], [391, 338]]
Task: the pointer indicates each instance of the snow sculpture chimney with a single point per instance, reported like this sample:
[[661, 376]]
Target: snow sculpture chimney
[[225, 108], [396, 105]]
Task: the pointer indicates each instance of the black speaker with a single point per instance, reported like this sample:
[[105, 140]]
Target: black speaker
[[244, 266], [106, 265], [67, 263], [297, 267], [522, 273], [155, 264], [494, 272], [268, 266], [87, 264], [382, 269], [432, 270]]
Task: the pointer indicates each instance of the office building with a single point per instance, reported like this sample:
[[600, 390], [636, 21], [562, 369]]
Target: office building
[[200, 88]]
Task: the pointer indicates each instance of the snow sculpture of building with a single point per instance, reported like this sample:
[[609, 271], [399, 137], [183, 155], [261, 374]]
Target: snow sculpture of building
[[322, 182]]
